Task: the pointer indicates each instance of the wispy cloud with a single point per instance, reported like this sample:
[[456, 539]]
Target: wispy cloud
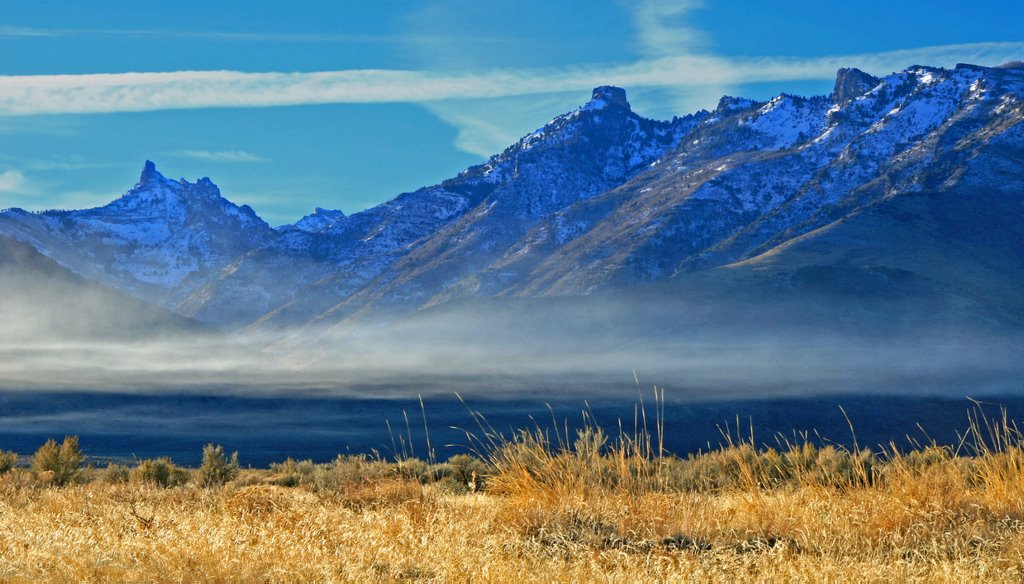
[[14, 32], [71, 162], [221, 155], [67, 165], [17, 32], [486, 126], [21, 186], [119, 92], [11, 181], [46, 195], [661, 29]]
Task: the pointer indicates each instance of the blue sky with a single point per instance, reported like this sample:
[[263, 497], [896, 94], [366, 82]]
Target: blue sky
[[344, 105]]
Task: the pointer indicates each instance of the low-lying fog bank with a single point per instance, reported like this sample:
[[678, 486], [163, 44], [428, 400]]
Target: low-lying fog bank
[[699, 369], [315, 392]]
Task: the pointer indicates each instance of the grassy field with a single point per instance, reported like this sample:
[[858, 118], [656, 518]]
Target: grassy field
[[537, 507]]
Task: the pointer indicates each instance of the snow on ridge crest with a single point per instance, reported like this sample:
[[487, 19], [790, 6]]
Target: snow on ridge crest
[[859, 129]]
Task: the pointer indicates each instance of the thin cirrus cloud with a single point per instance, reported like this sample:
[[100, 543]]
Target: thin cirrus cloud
[[127, 92], [15, 32], [221, 155]]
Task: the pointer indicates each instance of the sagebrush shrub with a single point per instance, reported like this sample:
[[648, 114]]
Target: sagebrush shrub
[[292, 473], [463, 473], [161, 472], [63, 461], [358, 469], [7, 460], [217, 468], [116, 474]]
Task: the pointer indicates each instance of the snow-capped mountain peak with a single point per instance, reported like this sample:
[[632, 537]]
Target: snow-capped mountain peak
[[152, 241], [729, 104], [605, 96], [175, 198], [150, 175], [319, 220]]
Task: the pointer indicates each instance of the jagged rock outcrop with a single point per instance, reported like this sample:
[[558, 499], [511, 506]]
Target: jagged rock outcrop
[[851, 84]]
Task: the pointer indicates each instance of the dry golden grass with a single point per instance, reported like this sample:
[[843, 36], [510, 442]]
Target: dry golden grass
[[549, 512]]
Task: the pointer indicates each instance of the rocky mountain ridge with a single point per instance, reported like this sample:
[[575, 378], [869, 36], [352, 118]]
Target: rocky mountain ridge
[[876, 182]]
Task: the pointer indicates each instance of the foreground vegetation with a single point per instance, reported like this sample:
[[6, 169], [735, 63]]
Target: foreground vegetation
[[553, 505]]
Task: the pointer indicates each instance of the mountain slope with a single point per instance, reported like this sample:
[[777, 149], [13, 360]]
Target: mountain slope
[[754, 176], [452, 229], [158, 241], [43, 301], [905, 189]]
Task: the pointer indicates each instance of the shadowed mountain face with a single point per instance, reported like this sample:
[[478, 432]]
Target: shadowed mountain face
[[42, 301], [893, 198]]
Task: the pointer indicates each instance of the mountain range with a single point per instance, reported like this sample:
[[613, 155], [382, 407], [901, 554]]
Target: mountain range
[[892, 198]]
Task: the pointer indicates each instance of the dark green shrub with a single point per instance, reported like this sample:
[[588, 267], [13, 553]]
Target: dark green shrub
[[217, 468], [359, 469], [59, 464], [160, 472], [116, 474], [414, 469], [463, 473], [7, 460], [292, 473], [743, 466], [346, 471]]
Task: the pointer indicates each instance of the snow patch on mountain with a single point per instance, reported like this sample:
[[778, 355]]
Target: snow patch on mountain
[[788, 120]]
